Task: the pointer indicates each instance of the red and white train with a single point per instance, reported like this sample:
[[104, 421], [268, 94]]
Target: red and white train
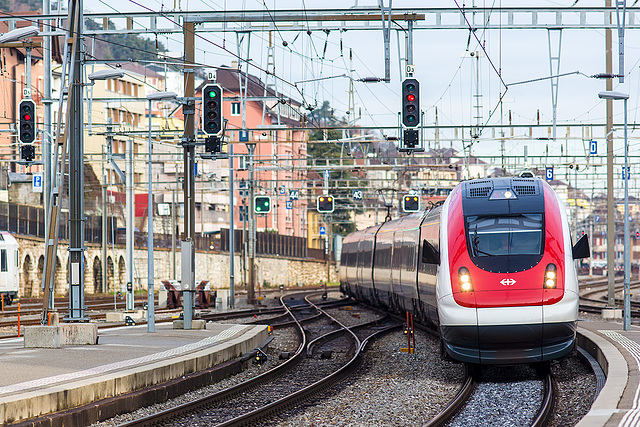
[[492, 268]]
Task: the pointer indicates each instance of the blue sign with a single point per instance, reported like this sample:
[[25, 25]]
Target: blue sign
[[243, 136], [357, 194], [327, 175], [195, 169], [549, 174], [37, 183], [294, 194], [282, 190], [628, 174], [289, 204], [323, 231], [593, 147], [597, 218]]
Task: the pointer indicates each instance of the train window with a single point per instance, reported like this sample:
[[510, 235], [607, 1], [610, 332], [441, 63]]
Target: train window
[[505, 235], [3, 260]]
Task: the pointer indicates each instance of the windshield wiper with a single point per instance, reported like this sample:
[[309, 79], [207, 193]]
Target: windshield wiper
[[474, 244]]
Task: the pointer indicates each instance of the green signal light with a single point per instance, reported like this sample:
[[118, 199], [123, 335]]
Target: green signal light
[[212, 94]]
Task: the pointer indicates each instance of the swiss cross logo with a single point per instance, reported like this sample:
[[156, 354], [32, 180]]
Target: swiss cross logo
[[508, 282]]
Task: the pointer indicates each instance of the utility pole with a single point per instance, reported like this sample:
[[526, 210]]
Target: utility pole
[[76, 183], [129, 222], [611, 228], [188, 143], [251, 290], [58, 171]]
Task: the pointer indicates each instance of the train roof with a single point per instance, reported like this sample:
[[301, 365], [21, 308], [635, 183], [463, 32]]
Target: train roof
[[501, 195]]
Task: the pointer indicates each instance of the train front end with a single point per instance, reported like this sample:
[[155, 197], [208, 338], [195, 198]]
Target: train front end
[[507, 287]]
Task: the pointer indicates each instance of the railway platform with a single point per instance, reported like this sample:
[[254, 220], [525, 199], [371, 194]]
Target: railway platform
[[618, 353], [41, 381]]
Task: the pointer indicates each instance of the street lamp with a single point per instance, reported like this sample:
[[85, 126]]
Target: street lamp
[[151, 319], [19, 34], [626, 321], [106, 74]]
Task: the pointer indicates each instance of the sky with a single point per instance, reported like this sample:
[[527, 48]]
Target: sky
[[447, 77]]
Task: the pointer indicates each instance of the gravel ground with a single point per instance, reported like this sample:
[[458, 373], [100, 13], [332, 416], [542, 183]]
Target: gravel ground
[[286, 339], [576, 387], [412, 387], [354, 316], [391, 388], [505, 396]]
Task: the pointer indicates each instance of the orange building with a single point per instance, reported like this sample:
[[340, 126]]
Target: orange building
[[278, 154]]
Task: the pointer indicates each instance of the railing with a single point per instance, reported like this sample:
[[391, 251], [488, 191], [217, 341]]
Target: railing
[[30, 221]]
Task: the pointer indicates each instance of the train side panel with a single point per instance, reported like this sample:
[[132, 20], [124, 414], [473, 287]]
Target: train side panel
[[382, 259], [9, 267], [427, 272]]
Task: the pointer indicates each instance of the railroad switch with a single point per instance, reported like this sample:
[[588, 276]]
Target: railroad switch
[[128, 321], [261, 357]]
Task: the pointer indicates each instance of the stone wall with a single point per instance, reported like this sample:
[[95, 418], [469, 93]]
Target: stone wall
[[270, 271]]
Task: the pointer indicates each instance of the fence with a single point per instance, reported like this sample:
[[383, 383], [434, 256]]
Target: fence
[[30, 221]]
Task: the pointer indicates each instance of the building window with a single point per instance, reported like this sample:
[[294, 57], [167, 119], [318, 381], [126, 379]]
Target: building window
[[242, 162], [235, 108]]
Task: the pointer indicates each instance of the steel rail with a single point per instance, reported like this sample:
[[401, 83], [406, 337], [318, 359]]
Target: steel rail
[[313, 389], [546, 409], [230, 392], [458, 401]]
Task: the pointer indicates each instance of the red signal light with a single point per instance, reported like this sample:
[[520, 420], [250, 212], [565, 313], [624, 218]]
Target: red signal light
[[27, 117], [411, 97]]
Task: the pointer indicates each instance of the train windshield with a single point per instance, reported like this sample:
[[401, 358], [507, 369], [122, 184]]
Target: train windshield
[[505, 235]]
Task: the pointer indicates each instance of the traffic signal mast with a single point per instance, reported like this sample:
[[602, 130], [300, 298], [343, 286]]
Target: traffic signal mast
[[325, 204], [411, 203], [410, 116], [262, 204], [27, 129]]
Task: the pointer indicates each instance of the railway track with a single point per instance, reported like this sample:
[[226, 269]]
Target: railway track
[[473, 396], [328, 352]]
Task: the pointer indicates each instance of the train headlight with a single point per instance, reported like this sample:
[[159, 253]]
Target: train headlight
[[464, 278], [550, 276]]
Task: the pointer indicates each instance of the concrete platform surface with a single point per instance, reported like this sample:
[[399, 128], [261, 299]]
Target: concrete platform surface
[[38, 381], [618, 352]]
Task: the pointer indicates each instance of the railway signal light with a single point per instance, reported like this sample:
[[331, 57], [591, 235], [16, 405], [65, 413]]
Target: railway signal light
[[212, 110], [213, 144], [325, 204], [411, 139], [27, 121], [410, 103], [27, 152], [262, 204], [411, 203]]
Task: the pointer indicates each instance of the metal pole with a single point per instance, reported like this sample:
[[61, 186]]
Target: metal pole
[[232, 234], [105, 226], [151, 319], [188, 271], [76, 184], [104, 223], [173, 231], [627, 271], [251, 293], [611, 229], [129, 223]]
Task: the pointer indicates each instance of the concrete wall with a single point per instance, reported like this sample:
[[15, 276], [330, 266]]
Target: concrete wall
[[273, 270]]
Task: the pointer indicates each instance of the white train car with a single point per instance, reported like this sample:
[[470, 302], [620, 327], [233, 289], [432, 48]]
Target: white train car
[[9, 267]]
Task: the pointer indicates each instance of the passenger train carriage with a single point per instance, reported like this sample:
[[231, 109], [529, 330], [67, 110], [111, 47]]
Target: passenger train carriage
[[9, 271], [491, 268]]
